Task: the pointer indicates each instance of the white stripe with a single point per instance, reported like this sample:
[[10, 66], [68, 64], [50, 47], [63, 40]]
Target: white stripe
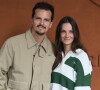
[[83, 57], [67, 71], [82, 88], [86, 64], [55, 86]]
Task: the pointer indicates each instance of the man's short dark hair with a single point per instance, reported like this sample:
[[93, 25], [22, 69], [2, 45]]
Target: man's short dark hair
[[43, 5]]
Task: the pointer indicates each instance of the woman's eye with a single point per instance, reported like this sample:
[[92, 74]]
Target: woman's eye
[[62, 31], [71, 31]]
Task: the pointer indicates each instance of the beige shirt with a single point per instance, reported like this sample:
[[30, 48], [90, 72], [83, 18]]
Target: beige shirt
[[28, 67]]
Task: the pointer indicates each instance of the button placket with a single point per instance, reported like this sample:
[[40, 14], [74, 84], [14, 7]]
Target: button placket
[[33, 66]]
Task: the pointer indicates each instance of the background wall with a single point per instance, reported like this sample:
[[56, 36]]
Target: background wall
[[15, 18]]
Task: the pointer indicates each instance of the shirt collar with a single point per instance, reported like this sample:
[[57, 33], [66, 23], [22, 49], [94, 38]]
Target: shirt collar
[[44, 44], [31, 41], [29, 38]]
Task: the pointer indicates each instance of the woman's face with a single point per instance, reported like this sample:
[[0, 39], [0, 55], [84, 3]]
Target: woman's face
[[67, 35]]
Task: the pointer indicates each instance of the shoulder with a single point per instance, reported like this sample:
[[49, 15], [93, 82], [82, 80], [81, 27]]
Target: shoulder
[[80, 52], [11, 43], [50, 46], [82, 55], [83, 58], [16, 38], [49, 43], [14, 41]]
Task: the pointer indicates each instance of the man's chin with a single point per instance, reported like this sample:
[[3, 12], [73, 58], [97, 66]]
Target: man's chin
[[39, 33]]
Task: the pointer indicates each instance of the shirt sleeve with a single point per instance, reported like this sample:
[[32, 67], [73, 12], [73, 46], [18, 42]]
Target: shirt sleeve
[[83, 73], [6, 56]]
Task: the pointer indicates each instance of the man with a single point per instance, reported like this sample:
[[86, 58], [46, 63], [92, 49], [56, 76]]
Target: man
[[26, 60]]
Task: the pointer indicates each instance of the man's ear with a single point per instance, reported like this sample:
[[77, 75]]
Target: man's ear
[[31, 20], [51, 24]]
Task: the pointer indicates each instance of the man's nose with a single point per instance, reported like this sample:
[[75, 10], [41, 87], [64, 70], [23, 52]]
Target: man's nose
[[41, 22]]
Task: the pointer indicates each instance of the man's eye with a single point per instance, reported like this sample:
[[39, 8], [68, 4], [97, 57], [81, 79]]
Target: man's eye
[[47, 20], [37, 18]]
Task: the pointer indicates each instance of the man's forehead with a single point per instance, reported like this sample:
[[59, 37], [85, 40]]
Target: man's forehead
[[43, 12]]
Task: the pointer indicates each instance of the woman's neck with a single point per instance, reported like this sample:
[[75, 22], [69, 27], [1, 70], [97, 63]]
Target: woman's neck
[[67, 49]]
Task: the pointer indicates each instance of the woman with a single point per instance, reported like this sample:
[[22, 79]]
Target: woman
[[72, 67]]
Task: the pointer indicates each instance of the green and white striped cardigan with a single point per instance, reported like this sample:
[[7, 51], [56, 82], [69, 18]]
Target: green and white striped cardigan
[[73, 73]]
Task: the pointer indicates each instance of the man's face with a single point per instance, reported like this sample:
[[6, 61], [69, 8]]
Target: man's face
[[41, 21]]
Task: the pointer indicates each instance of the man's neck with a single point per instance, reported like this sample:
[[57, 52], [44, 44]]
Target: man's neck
[[38, 38]]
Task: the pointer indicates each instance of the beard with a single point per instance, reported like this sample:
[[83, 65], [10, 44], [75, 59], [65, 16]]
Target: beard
[[39, 33]]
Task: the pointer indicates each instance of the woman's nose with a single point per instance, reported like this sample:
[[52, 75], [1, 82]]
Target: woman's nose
[[67, 34]]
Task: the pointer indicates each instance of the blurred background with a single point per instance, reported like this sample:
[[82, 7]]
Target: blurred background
[[15, 18]]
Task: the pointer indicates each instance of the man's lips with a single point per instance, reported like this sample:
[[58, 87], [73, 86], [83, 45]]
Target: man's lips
[[41, 27]]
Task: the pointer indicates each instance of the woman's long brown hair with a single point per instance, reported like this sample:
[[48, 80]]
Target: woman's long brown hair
[[59, 45]]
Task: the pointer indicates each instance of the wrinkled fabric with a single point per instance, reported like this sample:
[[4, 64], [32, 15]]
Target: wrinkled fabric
[[23, 65]]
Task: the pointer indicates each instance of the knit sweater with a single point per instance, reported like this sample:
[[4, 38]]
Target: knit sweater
[[73, 73]]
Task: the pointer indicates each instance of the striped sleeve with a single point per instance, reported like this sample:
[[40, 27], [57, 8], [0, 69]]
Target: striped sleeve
[[74, 73], [83, 69]]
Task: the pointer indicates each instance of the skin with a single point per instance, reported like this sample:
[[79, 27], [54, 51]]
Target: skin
[[67, 36], [41, 23]]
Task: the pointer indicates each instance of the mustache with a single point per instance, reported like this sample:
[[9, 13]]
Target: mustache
[[41, 26]]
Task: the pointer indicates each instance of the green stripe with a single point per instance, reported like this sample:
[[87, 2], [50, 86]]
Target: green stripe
[[73, 62], [62, 80], [81, 79]]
